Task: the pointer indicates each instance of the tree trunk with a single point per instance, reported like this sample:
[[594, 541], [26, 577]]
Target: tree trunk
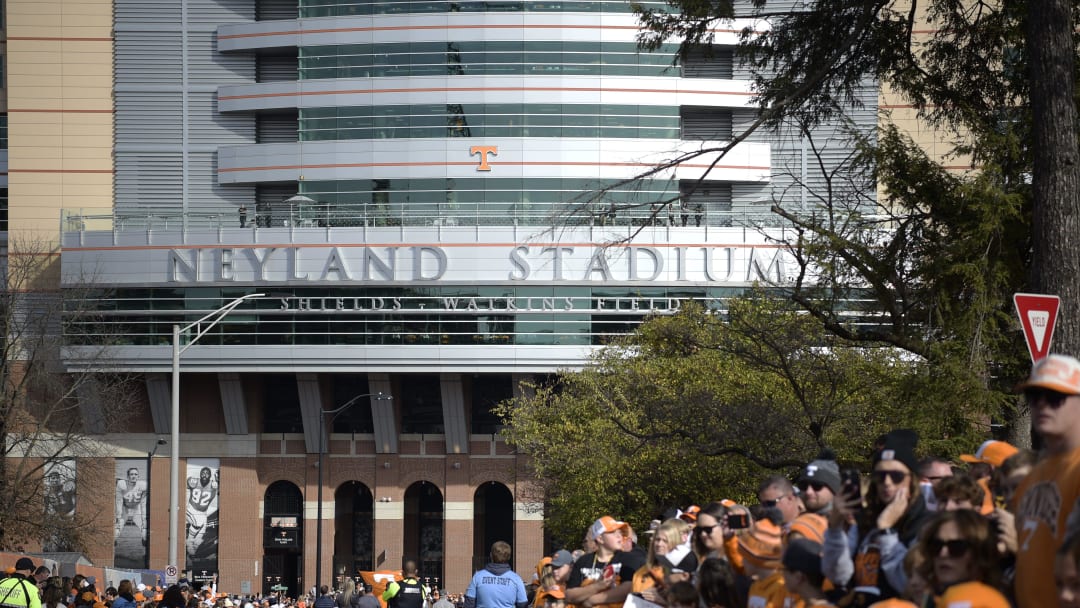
[[1056, 173]]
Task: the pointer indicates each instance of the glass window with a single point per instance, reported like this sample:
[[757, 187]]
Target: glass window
[[421, 404], [487, 392], [356, 418], [281, 404]]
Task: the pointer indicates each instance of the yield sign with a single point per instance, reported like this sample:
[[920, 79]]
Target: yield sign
[[1038, 313]]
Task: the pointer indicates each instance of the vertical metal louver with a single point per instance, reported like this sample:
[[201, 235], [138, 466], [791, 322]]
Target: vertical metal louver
[[710, 200], [167, 128], [705, 124], [276, 10], [709, 62], [277, 128], [277, 68]]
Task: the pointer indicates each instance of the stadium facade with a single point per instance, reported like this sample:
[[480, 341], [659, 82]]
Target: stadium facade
[[412, 185]]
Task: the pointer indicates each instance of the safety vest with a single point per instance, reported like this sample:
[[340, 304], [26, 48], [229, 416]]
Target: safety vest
[[410, 594], [18, 592]]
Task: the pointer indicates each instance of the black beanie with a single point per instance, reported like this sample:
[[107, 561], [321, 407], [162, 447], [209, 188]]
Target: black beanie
[[899, 445]]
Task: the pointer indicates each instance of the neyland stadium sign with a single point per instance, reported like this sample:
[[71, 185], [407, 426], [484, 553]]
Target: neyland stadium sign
[[521, 263]]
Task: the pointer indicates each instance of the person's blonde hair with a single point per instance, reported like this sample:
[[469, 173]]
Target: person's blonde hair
[[673, 531]]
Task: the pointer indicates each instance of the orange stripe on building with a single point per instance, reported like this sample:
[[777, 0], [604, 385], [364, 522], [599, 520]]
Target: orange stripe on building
[[31, 110], [477, 89], [473, 164], [60, 170], [412, 244], [390, 28]]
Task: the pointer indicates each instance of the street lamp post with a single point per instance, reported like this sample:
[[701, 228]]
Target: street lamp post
[[322, 453], [201, 326]]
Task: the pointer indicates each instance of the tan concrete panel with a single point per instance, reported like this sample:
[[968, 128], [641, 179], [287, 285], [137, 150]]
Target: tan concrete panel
[[92, 105], [31, 184], [19, 83], [81, 153], [84, 48], [18, 127], [94, 81], [86, 144], [34, 158], [102, 130], [48, 52], [19, 22], [24, 8], [74, 119], [22, 134]]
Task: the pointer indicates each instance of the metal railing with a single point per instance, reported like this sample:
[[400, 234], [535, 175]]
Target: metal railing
[[328, 216]]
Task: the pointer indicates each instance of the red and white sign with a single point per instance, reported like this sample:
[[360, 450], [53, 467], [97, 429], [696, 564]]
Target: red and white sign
[[1038, 314]]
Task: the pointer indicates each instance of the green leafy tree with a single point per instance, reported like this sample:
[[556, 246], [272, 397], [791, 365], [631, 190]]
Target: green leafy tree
[[938, 256], [701, 405]]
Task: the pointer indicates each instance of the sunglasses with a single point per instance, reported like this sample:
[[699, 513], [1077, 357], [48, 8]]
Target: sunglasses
[[954, 548], [895, 476], [1053, 399], [768, 504], [805, 485], [705, 530]]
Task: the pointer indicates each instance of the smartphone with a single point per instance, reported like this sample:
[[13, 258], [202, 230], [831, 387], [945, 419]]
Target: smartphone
[[738, 520], [851, 488]]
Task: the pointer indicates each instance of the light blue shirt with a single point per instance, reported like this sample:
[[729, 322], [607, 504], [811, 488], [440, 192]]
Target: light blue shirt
[[491, 590]]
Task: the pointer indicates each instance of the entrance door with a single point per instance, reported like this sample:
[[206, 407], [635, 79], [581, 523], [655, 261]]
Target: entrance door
[[283, 539]]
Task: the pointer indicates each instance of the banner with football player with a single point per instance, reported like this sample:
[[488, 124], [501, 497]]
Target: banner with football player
[[59, 502], [132, 503], [201, 540]]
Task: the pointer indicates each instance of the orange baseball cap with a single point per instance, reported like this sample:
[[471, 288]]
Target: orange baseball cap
[[894, 602], [992, 452], [972, 595], [690, 514], [1060, 373], [608, 523], [540, 565]]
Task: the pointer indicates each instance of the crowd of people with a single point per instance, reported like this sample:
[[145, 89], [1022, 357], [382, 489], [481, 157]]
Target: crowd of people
[[998, 529], [27, 586]]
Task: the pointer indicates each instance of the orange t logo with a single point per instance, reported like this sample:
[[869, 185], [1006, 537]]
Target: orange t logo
[[483, 151]]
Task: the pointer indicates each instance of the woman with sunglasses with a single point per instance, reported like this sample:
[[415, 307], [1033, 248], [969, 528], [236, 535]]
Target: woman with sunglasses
[[962, 561], [869, 553], [710, 532]]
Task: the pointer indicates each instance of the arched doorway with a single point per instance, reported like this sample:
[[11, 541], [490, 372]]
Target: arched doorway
[[354, 528], [283, 539], [424, 530], [493, 520]]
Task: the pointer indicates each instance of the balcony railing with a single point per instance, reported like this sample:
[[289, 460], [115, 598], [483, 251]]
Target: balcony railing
[[326, 216]]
